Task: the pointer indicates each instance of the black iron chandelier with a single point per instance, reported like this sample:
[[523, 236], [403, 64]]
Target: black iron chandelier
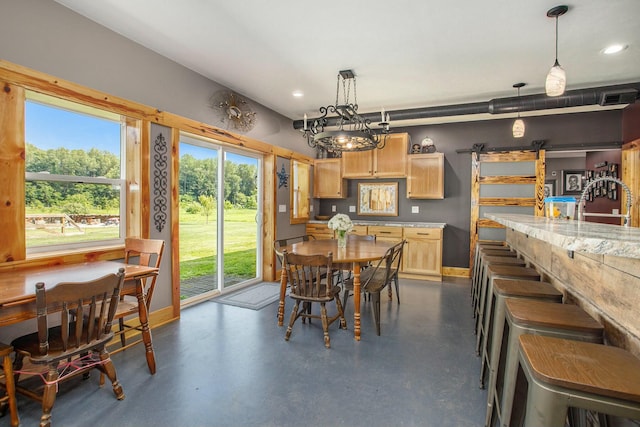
[[353, 131]]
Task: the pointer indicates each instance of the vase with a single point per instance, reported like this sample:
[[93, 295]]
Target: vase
[[342, 239]]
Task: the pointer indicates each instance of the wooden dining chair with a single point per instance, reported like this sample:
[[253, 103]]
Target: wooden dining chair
[[375, 278], [74, 347], [8, 401], [147, 252], [310, 285], [279, 244]]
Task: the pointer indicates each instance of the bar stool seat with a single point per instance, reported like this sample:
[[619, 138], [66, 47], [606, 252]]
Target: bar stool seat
[[504, 289], [476, 286], [564, 373], [496, 260], [567, 321], [497, 245], [483, 320]]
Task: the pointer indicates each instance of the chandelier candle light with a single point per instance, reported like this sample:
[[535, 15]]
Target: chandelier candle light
[[353, 131], [342, 224]]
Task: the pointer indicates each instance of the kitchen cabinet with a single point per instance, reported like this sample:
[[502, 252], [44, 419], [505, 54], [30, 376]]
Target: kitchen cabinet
[[422, 254], [425, 176], [299, 197], [387, 162], [328, 182], [319, 231], [385, 233]]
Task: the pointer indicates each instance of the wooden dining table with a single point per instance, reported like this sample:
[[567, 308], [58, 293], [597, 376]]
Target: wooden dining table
[[357, 251], [18, 291]]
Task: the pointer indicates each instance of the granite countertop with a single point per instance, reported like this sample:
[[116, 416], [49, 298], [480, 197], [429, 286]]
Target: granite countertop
[[579, 236], [392, 224]]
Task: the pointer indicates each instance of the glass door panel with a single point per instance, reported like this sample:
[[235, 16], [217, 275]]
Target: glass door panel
[[241, 229]]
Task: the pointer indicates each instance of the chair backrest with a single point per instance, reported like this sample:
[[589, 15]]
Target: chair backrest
[[396, 260], [278, 244], [96, 299], [307, 274], [149, 253], [384, 269]]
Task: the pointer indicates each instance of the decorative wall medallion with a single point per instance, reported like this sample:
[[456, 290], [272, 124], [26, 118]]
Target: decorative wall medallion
[[234, 111], [160, 182], [283, 177]]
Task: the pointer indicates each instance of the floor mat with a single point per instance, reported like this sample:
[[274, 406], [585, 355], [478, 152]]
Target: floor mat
[[254, 297]]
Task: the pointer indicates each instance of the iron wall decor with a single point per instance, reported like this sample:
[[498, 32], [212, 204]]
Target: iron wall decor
[[283, 177], [160, 182]]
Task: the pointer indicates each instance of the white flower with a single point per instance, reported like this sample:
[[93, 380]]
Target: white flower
[[340, 222]]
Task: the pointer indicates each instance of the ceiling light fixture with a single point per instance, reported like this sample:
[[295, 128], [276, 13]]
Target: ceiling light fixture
[[614, 48], [353, 131], [557, 77], [518, 124]]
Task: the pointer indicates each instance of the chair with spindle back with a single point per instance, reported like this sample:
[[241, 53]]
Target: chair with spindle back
[[310, 284], [85, 312]]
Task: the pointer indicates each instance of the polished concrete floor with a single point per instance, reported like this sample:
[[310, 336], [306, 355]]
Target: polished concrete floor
[[227, 366]]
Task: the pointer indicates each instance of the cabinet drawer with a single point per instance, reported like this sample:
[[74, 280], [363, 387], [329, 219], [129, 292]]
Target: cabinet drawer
[[422, 233], [382, 232], [359, 230], [319, 231]]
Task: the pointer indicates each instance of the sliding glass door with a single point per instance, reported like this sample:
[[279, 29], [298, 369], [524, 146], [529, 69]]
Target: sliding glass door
[[219, 210]]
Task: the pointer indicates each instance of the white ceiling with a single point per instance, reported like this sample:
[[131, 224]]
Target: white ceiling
[[405, 53]]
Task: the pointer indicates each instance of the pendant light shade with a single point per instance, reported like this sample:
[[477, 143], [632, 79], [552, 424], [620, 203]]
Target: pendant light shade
[[556, 78], [518, 125]]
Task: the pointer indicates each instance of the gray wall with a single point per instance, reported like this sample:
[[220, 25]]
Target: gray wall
[[47, 37], [455, 208]]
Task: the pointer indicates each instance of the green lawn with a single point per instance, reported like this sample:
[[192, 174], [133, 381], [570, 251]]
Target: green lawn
[[198, 244]]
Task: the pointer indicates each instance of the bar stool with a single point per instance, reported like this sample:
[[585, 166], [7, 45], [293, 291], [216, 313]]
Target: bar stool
[[476, 287], [496, 245], [504, 289], [532, 317], [563, 373], [496, 260], [10, 397], [493, 272]]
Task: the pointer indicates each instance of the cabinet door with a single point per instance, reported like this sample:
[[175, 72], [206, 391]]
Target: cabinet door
[[386, 233], [299, 196], [391, 161], [423, 252], [327, 179], [425, 176], [357, 164]]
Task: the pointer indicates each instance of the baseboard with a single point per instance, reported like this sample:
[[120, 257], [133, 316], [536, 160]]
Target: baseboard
[[456, 272]]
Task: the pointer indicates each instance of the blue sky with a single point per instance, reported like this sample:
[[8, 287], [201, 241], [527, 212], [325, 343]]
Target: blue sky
[[50, 128]]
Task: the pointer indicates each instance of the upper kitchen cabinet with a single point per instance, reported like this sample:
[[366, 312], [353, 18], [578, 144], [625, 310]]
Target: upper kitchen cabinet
[[425, 176], [300, 184], [387, 162], [327, 180]]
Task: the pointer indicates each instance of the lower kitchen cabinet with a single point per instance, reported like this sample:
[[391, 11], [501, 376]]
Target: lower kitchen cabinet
[[422, 255]]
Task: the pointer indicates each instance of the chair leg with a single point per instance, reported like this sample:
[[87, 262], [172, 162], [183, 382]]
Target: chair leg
[[343, 321], [375, 296], [292, 319], [395, 281], [325, 324], [11, 390], [110, 372], [49, 396], [123, 339]]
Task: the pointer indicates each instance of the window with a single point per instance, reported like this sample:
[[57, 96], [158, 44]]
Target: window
[[74, 181]]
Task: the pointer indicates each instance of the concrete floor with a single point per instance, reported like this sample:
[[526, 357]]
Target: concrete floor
[[227, 366]]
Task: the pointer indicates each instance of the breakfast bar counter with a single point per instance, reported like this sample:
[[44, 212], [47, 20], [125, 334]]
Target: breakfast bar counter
[[596, 266]]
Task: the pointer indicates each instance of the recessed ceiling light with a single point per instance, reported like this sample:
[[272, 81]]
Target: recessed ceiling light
[[298, 94], [614, 48]]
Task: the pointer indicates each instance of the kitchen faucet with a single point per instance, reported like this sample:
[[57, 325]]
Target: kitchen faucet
[[627, 216]]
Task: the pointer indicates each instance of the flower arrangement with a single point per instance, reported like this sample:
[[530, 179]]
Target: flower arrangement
[[340, 222]]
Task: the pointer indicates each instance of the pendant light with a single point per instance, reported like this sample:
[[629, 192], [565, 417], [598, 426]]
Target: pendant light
[[518, 124], [557, 78]]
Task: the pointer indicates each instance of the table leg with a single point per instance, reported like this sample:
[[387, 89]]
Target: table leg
[[356, 300], [144, 323], [283, 291]]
